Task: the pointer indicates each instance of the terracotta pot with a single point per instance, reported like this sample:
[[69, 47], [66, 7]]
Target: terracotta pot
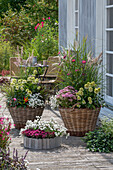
[[79, 121]]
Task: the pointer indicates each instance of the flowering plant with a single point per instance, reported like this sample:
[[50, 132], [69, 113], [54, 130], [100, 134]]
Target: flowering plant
[[5, 127], [79, 67], [87, 97], [45, 43], [25, 93], [43, 129]]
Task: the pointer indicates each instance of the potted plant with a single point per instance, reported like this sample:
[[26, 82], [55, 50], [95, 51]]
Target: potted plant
[[80, 109], [25, 100], [40, 134]]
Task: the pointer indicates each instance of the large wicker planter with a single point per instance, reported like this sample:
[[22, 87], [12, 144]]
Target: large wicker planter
[[46, 143], [21, 115], [79, 121]]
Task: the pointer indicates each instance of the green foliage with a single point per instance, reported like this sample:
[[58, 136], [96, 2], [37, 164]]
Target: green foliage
[[45, 43], [18, 28], [14, 5], [75, 68], [6, 51], [39, 9], [101, 140]]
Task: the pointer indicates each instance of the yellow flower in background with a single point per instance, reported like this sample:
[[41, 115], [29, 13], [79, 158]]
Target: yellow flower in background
[[36, 80], [78, 98], [20, 81], [14, 81], [24, 81], [38, 87], [32, 78], [22, 88], [29, 92], [86, 86], [78, 105], [17, 87], [90, 89], [12, 84], [81, 89], [90, 102], [96, 91], [29, 79], [89, 98], [35, 72], [81, 93], [83, 101]]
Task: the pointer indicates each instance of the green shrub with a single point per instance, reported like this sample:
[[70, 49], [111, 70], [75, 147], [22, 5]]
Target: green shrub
[[6, 51], [18, 28], [45, 43], [101, 140]]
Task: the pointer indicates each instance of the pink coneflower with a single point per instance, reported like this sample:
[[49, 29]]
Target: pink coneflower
[[64, 57], [73, 60], [83, 62], [77, 70]]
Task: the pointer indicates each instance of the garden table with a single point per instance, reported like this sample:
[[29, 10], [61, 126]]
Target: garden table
[[37, 66]]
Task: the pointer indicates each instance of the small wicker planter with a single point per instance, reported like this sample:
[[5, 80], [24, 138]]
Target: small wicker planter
[[46, 143], [79, 121], [21, 115]]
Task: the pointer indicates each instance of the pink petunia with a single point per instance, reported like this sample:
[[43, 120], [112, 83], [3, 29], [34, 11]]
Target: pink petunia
[[83, 62], [73, 60]]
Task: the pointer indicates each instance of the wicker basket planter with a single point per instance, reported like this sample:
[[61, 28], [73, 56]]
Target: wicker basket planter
[[79, 121], [47, 143], [21, 115]]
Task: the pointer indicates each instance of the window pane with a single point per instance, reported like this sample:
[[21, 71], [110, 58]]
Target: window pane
[[109, 85], [76, 19], [76, 4], [110, 18], [109, 44], [109, 63], [109, 2], [76, 34]]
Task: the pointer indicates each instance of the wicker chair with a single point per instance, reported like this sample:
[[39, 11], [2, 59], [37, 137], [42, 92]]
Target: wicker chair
[[51, 77]]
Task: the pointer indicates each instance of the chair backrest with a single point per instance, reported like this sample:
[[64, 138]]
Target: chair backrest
[[52, 63], [14, 66]]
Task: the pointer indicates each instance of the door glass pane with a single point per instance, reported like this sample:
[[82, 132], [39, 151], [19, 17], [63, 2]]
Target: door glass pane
[[109, 64], [109, 86], [76, 19], [109, 2], [110, 18], [109, 45], [76, 4]]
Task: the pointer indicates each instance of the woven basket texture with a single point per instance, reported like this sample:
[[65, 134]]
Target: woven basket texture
[[79, 121], [21, 115]]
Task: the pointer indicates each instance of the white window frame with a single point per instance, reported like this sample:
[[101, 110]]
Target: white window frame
[[108, 98]]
